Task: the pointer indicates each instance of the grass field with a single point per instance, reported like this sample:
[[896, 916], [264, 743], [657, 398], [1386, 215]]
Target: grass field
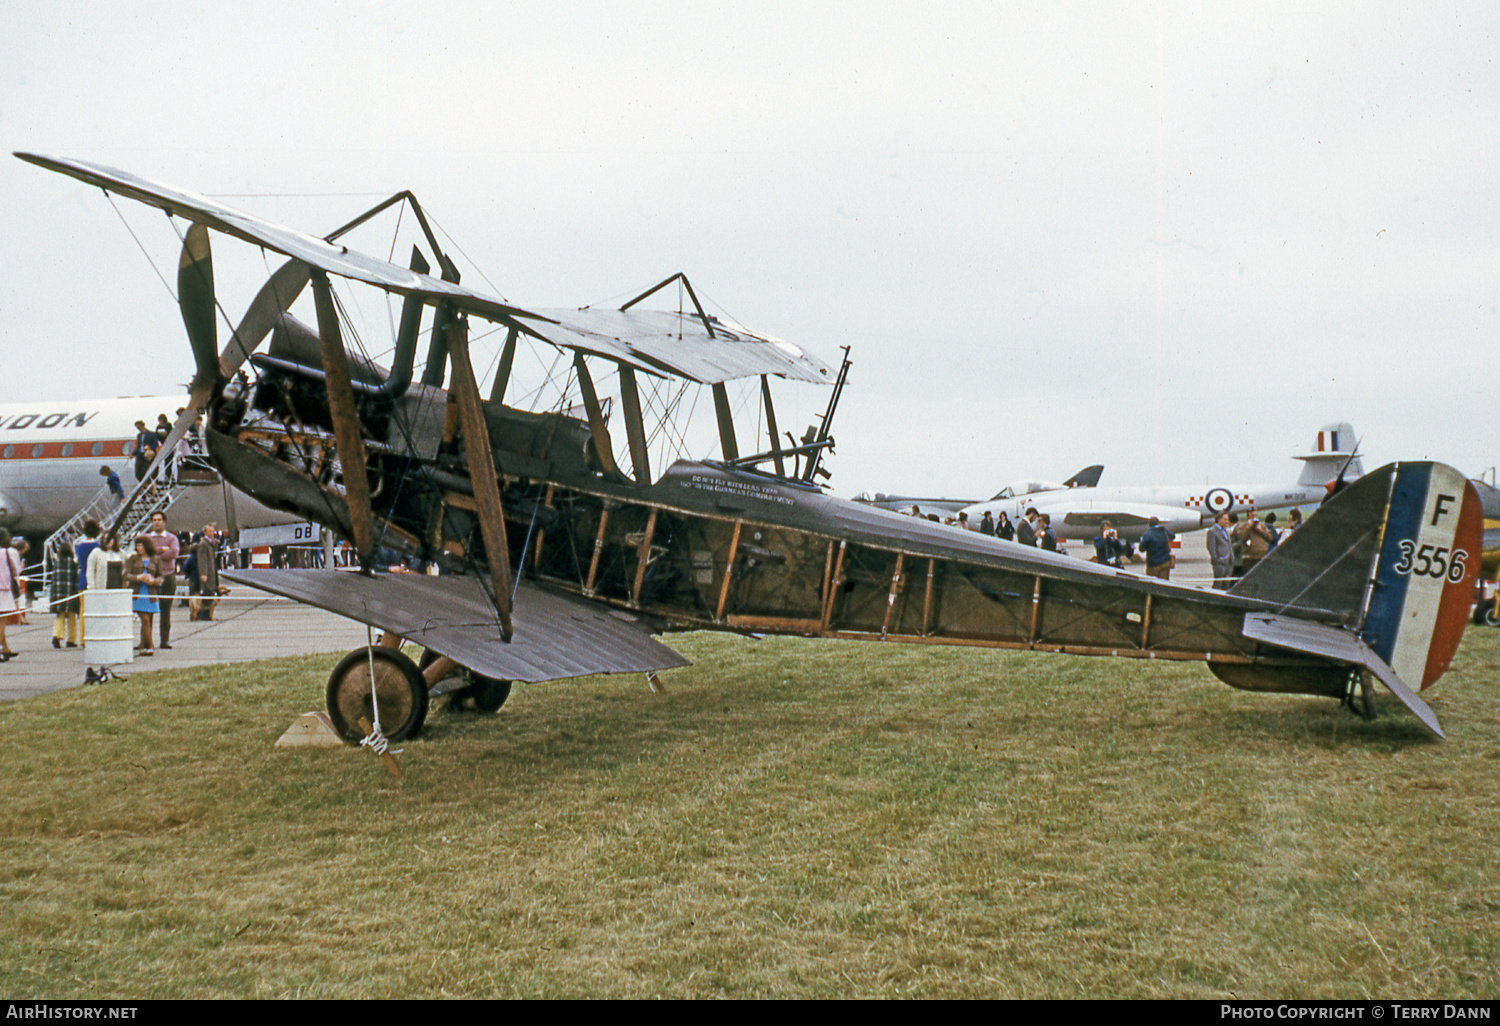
[[791, 818]]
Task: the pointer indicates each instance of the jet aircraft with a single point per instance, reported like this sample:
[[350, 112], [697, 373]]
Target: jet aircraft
[[562, 560], [1088, 477], [1077, 512]]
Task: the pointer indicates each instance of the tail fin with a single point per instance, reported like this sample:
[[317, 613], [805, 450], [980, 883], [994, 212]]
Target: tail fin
[[1088, 477], [1396, 555], [1336, 454]]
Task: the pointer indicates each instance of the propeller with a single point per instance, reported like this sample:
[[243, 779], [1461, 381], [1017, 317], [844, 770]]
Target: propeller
[[195, 295]]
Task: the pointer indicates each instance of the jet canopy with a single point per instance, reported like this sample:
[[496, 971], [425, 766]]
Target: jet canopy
[[1019, 488]]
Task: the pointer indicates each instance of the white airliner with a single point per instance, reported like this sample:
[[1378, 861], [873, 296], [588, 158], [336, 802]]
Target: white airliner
[[1077, 512], [51, 452]]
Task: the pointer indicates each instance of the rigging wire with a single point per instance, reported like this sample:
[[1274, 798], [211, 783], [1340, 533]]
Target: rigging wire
[[140, 246], [437, 226]]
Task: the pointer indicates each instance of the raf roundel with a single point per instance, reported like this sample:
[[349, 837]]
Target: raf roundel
[[1218, 500]]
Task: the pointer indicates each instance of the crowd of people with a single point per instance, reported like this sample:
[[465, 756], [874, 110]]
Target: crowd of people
[[1235, 546], [151, 569], [148, 441]]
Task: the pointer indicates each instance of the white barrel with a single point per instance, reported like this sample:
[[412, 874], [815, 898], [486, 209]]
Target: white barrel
[[108, 627]]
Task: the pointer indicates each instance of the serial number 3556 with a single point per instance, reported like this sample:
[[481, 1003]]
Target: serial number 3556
[[1431, 562]]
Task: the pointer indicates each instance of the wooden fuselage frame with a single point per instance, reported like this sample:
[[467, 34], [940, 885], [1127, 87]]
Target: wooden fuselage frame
[[710, 546]]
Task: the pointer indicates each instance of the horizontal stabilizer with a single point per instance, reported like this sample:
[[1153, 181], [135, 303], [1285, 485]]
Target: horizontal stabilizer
[[1333, 643], [556, 635]]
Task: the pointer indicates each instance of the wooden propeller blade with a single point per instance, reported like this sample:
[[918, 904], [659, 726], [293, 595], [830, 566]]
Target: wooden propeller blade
[[271, 303], [195, 295]]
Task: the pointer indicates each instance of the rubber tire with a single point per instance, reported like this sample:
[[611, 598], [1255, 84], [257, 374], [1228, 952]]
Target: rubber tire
[[401, 690], [1491, 616], [489, 694]]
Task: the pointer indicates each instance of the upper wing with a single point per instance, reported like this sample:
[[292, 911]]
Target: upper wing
[[556, 635], [650, 341], [679, 343], [309, 249]]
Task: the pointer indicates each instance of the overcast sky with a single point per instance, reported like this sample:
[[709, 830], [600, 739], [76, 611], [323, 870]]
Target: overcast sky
[[1172, 238]]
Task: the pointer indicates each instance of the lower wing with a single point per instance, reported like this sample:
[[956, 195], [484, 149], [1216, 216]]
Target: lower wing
[[556, 635]]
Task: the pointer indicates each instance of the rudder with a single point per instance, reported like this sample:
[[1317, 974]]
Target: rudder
[[1424, 583], [1395, 555]]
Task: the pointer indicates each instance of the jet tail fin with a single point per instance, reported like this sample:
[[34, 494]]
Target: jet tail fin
[[1395, 555], [1337, 454], [1088, 477]]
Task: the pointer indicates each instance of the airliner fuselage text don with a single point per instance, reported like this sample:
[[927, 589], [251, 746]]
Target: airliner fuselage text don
[[47, 420]]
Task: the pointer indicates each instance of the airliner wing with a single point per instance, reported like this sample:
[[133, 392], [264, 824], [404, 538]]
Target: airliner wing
[[556, 635]]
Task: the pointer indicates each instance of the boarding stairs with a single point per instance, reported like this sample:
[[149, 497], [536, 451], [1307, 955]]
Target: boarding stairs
[[168, 480]]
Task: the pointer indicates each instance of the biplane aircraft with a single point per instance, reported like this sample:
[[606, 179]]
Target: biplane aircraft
[[561, 560]]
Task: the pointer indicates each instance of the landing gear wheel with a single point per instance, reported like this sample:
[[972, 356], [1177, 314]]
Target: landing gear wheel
[[1491, 616], [487, 693], [399, 689]]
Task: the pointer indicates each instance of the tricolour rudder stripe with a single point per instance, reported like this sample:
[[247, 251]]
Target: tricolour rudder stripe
[[1423, 584]]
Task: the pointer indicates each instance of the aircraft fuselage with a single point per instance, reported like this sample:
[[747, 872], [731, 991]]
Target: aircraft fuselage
[[709, 546]]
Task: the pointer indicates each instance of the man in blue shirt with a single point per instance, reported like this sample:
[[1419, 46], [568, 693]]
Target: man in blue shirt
[[113, 480], [1156, 544], [1108, 548], [145, 448]]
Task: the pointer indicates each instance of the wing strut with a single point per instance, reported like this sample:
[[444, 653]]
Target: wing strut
[[481, 467], [679, 276], [345, 416]]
